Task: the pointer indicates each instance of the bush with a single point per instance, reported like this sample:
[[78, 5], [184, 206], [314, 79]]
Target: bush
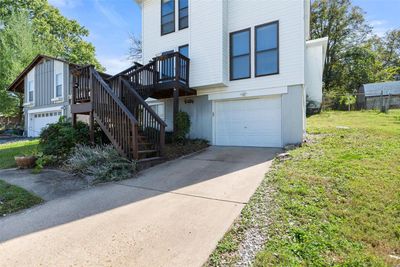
[[60, 138], [103, 163], [183, 126]]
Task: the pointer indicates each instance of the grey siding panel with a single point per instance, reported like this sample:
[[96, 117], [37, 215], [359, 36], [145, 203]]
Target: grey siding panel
[[200, 113], [44, 83], [293, 115]]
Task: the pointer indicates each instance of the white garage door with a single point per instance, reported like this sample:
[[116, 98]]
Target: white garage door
[[254, 122], [38, 121]]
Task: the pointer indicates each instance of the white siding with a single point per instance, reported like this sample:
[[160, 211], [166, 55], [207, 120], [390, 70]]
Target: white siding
[[210, 23]]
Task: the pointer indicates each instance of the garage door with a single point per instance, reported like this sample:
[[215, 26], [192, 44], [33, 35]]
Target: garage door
[[254, 122], [40, 120]]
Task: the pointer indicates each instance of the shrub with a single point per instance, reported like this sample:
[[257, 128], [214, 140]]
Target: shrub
[[183, 126], [103, 163], [60, 138]]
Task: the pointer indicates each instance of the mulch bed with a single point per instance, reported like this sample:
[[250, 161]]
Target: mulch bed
[[173, 151]]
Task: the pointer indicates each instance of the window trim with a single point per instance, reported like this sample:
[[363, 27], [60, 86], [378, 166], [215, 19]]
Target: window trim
[[182, 46], [231, 54], [33, 91], [161, 16], [179, 15], [55, 85], [277, 48]]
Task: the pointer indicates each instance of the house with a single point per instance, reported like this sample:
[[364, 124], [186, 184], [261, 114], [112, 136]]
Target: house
[[240, 69], [376, 95], [247, 58], [45, 83]]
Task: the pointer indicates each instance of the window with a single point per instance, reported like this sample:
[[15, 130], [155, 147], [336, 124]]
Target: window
[[240, 55], [58, 85], [30, 91], [184, 50], [183, 14], [267, 49], [167, 16]]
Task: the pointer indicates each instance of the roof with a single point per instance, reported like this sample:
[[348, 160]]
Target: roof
[[17, 84], [375, 89]]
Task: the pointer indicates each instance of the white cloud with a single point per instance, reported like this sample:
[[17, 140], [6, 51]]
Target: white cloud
[[110, 14], [115, 65], [380, 27]]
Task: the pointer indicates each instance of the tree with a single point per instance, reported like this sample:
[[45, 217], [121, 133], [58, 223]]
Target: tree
[[345, 26], [135, 50], [17, 49], [63, 37]]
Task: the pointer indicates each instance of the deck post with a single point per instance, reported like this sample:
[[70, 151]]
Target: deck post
[[91, 127], [176, 108]]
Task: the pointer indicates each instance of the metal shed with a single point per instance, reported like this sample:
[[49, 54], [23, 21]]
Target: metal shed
[[376, 95]]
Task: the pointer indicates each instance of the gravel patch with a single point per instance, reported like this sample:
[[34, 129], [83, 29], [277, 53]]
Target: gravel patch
[[255, 235]]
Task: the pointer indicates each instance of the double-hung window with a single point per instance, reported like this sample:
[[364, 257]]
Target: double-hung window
[[30, 91], [183, 14], [58, 85], [267, 49], [240, 55], [167, 16]]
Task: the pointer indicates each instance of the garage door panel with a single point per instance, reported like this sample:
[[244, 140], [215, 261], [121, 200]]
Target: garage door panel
[[40, 120], [255, 122]]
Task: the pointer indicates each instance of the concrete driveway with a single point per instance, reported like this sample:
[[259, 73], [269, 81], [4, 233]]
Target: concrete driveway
[[172, 215]]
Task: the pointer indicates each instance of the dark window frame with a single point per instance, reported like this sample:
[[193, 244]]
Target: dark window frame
[[231, 57], [266, 50], [182, 46], [173, 12], [179, 15]]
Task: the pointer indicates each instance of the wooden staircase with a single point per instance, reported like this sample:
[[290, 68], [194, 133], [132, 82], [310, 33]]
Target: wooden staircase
[[117, 103]]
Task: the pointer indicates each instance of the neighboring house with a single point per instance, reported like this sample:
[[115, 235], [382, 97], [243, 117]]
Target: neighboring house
[[46, 87], [376, 95]]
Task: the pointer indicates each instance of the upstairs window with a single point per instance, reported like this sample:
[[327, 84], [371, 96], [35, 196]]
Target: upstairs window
[[30, 91], [240, 55], [58, 85], [183, 14], [167, 16], [184, 50], [267, 49]]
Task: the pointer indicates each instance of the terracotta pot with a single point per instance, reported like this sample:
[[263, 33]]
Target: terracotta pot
[[25, 162]]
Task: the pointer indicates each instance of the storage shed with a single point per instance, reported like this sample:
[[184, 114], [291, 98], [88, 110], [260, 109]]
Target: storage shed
[[374, 95]]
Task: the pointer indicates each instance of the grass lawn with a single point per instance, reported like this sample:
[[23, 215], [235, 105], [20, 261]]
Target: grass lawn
[[335, 202], [10, 150], [14, 198]]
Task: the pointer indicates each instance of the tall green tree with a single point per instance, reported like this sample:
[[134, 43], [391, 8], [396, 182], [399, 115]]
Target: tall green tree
[[345, 26], [63, 37], [17, 49]]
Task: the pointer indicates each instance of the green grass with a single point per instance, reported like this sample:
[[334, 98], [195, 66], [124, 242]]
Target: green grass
[[10, 150], [14, 198], [336, 202]]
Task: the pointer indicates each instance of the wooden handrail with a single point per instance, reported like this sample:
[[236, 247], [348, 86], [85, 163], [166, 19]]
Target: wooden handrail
[[115, 98], [144, 103]]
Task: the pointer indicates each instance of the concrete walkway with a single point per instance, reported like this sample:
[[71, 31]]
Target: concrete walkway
[[172, 215], [48, 184]]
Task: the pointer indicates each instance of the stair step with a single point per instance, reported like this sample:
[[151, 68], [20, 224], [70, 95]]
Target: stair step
[[149, 162], [147, 151]]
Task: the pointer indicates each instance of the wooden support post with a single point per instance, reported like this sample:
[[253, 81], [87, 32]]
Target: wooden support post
[[176, 108], [74, 120], [91, 127]]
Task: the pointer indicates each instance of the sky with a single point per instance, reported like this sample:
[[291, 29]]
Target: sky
[[111, 22]]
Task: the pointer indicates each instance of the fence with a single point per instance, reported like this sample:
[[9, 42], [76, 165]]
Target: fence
[[382, 100]]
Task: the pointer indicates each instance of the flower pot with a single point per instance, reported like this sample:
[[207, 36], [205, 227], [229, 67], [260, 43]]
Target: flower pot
[[25, 162]]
